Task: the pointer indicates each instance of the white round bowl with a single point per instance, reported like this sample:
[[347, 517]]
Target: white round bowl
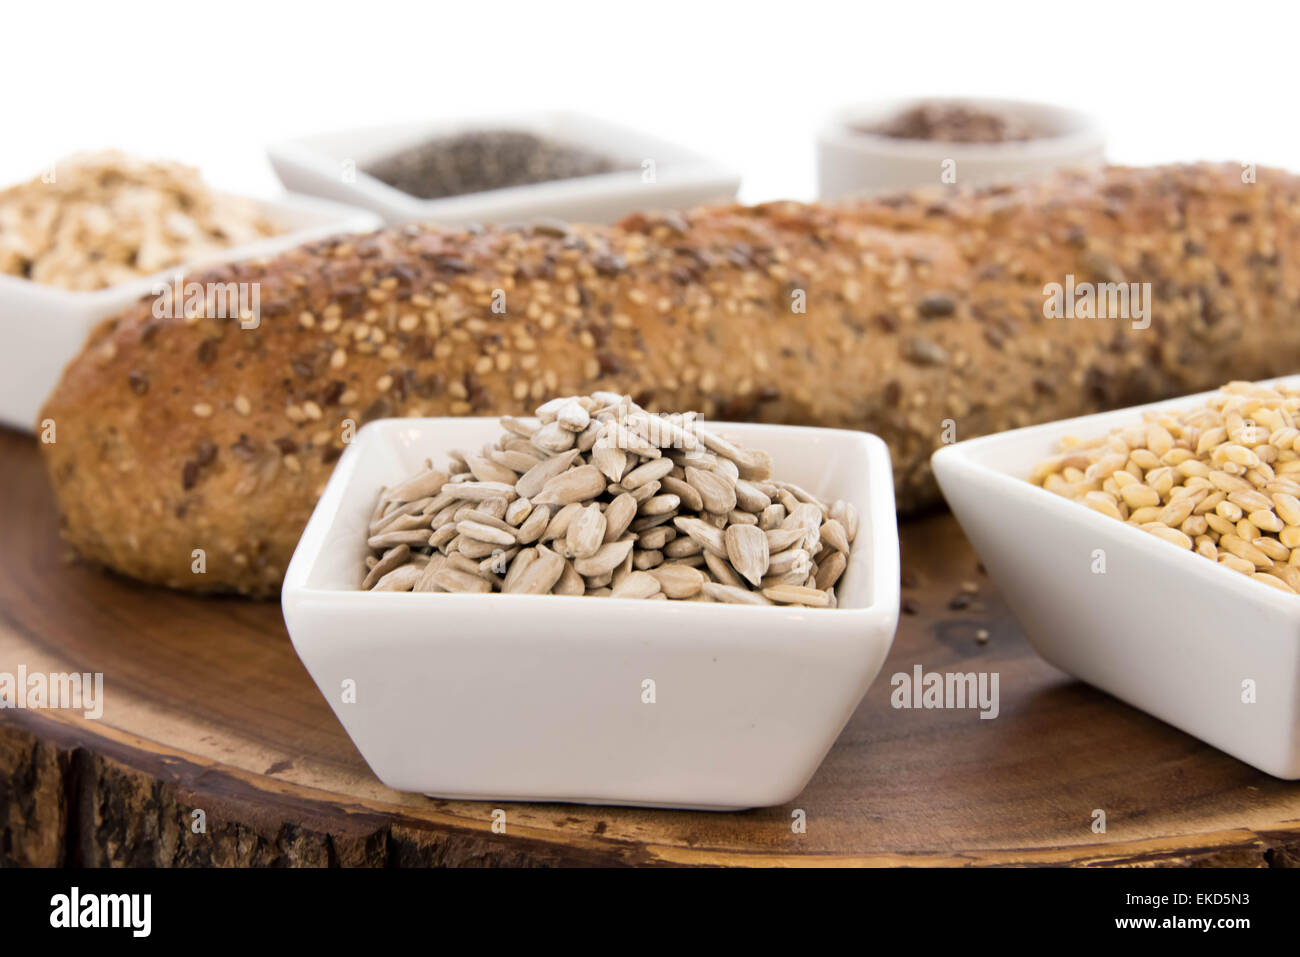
[[852, 162]]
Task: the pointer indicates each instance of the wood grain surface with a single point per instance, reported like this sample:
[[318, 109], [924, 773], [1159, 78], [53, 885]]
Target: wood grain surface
[[208, 708]]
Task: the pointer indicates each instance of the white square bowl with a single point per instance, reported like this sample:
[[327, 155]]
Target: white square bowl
[[1163, 629], [539, 697], [46, 326], [332, 165]]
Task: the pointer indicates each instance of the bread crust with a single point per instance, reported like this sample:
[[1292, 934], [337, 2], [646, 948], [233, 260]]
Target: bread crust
[[923, 321]]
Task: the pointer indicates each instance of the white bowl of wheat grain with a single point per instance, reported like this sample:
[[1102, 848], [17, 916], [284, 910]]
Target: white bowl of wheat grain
[[1203, 647]]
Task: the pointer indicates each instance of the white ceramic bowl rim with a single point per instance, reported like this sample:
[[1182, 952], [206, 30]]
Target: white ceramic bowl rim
[[880, 581], [980, 453]]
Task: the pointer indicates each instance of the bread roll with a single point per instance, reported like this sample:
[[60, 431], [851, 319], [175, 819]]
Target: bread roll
[[920, 318]]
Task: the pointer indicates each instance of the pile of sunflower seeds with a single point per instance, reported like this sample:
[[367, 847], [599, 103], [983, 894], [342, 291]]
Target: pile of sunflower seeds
[[596, 496]]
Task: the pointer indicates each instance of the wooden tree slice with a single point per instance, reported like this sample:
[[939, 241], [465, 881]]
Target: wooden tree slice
[[207, 708]]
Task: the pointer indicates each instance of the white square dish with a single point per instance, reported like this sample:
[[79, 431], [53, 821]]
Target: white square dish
[[540, 697], [1163, 629], [46, 325], [332, 165]]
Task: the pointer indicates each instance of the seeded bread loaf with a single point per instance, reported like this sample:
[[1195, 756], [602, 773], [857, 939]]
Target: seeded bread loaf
[[919, 318]]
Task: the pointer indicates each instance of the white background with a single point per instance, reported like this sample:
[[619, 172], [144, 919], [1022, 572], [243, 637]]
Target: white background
[[749, 83]]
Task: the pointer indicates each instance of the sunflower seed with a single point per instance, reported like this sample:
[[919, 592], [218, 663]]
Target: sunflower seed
[[629, 441], [531, 482], [655, 538], [791, 560], [570, 582], [779, 539], [678, 581], [752, 463], [517, 462], [481, 491], [443, 536], [513, 443], [520, 427], [637, 585], [517, 568], [690, 497], [785, 578], [428, 573], [517, 511], [805, 497], [454, 580], [662, 431], [659, 505], [485, 470], [534, 525], [549, 410], [404, 523], [420, 486], [572, 416], [846, 515], [718, 494], [575, 485], [830, 570], [541, 574], [732, 595], [643, 559], [641, 523], [643, 493], [610, 460], [386, 522], [462, 562], [747, 551], [707, 535], [807, 517], [652, 471], [587, 437], [833, 534], [607, 558], [393, 558], [722, 571], [390, 539], [750, 497], [559, 525], [498, 563], [553, 437], [682, 547], [399, 579], [797, 595], [586, 533], [473, 548], [485, 533], [618, 516], [495, 507]]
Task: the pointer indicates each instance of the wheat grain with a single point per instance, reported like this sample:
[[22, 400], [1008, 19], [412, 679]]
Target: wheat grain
[[1215, 479]]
